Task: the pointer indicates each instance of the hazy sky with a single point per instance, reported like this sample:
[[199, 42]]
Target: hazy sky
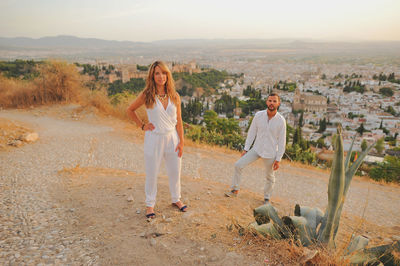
[[149, 20]]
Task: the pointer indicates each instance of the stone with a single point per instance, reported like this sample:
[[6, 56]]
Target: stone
[[15, 143], [308, 255], [130, 199], [30, 137], [153, 242], [138, 211]]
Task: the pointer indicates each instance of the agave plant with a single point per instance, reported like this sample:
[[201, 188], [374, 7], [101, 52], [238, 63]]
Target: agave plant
[[311, 225]]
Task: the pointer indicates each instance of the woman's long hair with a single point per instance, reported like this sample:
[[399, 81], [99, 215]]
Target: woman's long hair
[[150, 89]]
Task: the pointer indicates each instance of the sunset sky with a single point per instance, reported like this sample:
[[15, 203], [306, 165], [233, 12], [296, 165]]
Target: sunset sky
[[150, 20]]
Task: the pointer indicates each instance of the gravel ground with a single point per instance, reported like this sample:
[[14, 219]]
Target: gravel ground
[[33, 226], [309, 188]]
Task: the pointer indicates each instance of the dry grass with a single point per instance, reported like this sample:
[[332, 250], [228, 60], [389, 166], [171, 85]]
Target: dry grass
[[57, 82]]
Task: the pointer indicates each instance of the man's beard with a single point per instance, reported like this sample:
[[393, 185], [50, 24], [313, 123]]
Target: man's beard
[[271, 106]]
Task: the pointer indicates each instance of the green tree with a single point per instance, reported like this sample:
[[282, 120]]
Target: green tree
[[134, 85], [380, 145], [321, 142], [301, 119], [388, 170], [322, 126], [361, 129], [386, 91], [364, 145], [210, 118], [391, 110], [142, 68], [297, 136], [289, 131]]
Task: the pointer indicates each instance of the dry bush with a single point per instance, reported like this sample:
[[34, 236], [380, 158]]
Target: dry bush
[[15, 93], [121, 102], [57, 82], [97, 99], [116, 106]]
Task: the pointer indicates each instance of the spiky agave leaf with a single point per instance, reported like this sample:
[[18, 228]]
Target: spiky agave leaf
[[266, 230], [335, 194], [386, 254], [348, 156], [299, 227], [267, 212], [356, 243], [312, 215], [349, 174]]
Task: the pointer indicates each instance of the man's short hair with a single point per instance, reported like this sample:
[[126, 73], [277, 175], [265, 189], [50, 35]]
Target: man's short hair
[[274, 94]]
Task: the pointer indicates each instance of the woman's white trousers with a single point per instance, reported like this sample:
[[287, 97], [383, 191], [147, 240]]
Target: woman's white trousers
[[157, 147]]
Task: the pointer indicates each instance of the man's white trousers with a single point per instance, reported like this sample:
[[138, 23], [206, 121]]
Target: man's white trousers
[[158, 147], [247, 159]]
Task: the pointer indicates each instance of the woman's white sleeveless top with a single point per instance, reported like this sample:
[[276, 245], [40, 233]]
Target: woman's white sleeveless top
[[164, 120]]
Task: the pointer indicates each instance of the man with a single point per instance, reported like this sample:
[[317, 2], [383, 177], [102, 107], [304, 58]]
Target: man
[[268, 132]]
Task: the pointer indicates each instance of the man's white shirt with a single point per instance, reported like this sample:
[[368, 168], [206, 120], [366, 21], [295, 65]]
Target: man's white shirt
[[269, 135]]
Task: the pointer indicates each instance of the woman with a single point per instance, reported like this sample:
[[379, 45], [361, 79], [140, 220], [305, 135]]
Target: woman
[[164, 133]]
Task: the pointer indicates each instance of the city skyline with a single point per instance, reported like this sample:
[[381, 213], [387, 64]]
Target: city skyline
[[144, 21]]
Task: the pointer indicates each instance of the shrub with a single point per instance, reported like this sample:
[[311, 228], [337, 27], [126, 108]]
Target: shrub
[[56, 82], [388, 170]]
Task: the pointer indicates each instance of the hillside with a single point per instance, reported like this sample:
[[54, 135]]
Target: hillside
[[76, 196]]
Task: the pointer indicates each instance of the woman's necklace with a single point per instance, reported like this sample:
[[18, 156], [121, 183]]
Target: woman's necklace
[[162, 97]]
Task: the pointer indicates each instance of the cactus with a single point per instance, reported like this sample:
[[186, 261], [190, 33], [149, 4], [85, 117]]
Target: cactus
[[304, 224], [356, 243], [350, 171], [335, 194], [312, 215], [266, 230], [300, 229], [267, 212], [386, 254]]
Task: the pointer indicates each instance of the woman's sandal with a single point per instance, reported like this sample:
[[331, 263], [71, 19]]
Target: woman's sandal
[[182, 209], [151, 215]]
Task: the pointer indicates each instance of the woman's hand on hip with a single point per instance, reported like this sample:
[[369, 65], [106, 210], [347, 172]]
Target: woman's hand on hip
[[149, 126], [179, 149]]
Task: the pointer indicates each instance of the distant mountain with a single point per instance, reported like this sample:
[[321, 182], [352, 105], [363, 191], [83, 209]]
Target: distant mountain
[[75, 48], [65, 41]]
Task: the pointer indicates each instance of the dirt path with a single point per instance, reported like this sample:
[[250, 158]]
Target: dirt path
[[64, 200]]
